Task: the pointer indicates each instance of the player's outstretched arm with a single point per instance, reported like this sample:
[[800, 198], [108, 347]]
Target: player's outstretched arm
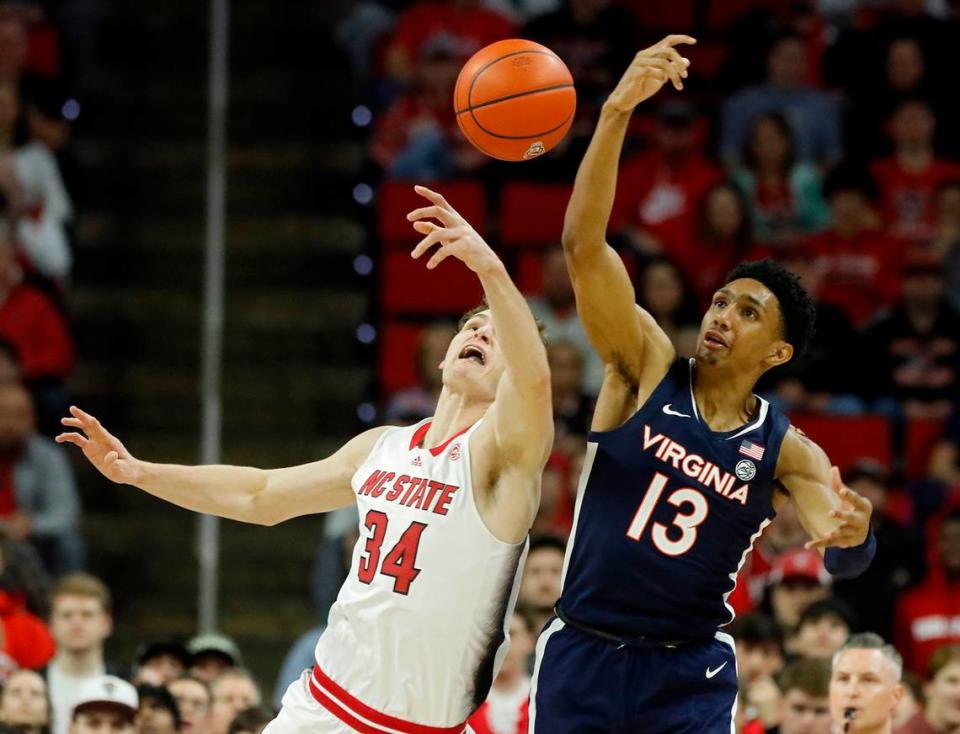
[[247, 494], [836, 518], [605, 296], [522, 413]]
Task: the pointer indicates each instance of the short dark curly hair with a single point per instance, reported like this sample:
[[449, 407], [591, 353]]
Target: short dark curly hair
[[798, 311]]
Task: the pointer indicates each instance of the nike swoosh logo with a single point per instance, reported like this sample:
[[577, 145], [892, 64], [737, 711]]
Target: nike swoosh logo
[[711, 673], [668, 411]]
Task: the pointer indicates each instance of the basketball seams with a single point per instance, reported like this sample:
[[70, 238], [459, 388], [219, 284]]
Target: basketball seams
[[522, 137], [471, 108]]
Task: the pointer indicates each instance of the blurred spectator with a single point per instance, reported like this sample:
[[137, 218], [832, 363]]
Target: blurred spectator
[[38, 493], [912, 702], [946, 238], [662, 291], [558, 487], [540, 583], [331, 562], [212, 654], [898, 563], [232, 691], [24, 704], [9, 363], [557, 310], [160, 661], [908, 179], [797, 580], [720, 240], [659, 190], [105, 703], [81, 622], [158, 713], [595, 39], [813, 115], [466, 25], [865, 685], [35, 197], [506, 709], [914, 351], [251, 720], [759, 643], [193, 702], [857, 264], [824, 626], [299, 657], [25, 641], [417, 137], [572, 409], [784, 193], [23, 577], [928, 616], [804, 706], [945, 456], [942, 713], [413, 404]]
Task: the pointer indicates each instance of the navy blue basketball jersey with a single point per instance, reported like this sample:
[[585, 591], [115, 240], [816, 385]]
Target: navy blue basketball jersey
[[667, 511]]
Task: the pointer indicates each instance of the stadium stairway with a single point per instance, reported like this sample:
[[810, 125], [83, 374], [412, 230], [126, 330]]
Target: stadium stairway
[[293, 369]]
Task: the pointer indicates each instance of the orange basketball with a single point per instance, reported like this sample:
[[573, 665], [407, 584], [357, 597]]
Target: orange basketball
[[514, 100]]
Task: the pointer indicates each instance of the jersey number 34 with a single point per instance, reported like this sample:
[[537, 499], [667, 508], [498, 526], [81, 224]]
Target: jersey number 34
[[692, 510], [400, 562]]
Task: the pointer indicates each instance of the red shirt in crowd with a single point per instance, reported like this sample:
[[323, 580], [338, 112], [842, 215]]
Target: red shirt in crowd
[[907, 198], [663, 199], [704, 264], [468, 29], [26, 639], [30, 322], [859, 274], [510, 717]]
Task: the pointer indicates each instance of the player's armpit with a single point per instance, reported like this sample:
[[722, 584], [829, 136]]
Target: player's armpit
[[320, 486]]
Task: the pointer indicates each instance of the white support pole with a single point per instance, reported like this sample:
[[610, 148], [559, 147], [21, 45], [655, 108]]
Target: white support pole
[[208, 535]]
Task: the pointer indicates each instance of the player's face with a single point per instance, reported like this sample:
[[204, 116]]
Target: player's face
[[801, 713], [943, 696], [863, 681], [473, 362], [193, 701], [79, 623], [741, 329], [24, 700]]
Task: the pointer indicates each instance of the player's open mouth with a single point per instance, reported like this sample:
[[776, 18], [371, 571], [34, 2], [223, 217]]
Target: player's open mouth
[[713, 340], [473, 353]]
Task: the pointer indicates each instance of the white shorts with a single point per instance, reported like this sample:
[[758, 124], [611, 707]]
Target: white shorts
[[300, 713]]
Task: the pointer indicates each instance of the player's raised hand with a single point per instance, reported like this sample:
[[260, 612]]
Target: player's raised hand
[[649, 71], [454, 235], [101, 448], [854, 516]]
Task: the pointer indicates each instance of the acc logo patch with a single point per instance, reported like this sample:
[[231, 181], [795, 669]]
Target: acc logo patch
[[534, 150], [455, 452], [746, 470]]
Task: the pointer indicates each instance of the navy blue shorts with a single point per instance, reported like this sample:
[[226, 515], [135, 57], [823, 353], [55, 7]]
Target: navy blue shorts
[[583, 684]]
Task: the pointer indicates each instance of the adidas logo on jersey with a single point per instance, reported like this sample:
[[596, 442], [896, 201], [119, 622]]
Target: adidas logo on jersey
[[416, 461]]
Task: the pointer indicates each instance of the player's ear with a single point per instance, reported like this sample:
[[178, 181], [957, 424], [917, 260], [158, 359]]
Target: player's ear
[[781, 353]]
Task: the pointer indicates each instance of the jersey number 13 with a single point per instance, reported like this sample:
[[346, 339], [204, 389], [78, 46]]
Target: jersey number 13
[[692, 510]]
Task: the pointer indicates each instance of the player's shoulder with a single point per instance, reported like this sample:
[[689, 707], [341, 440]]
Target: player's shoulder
[[798, 450]]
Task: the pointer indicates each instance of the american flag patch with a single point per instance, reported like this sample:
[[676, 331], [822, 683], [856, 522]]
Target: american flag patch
[[753, 450]]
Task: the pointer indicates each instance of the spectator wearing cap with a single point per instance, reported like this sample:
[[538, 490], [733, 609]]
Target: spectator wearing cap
[[160, 661], [814, 115], [24, 704], [865, 685], [104, 704], [915, 349], [797, 580], [659, 190], [251, 720], [928, 616], [942, 712], [804, 705], [899, 560], [158, 713], [857, 264], [759, 644], [192, 695], [233, 691], [80, 621], [823, 628], [211, 654]]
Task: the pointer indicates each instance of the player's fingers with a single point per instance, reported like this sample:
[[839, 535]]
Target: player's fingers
[[673, 56], [439, 256], [75, 438], [435, 197], [431, 212], [836, 482], [427, 242], [856, 499], [677, 38], [73, 422], [111, 457]]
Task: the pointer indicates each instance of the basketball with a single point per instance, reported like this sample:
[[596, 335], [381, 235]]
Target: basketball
[[515, 100]]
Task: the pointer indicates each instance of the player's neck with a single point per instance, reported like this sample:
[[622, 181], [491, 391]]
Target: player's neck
[[455, 412], [724, 399], [79, 663]]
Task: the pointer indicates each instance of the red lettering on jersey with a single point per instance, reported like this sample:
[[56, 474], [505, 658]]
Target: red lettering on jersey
[[414, 483], [382, 484], [445, 497], [371, 482], [434, 488], [397, 488], [417, 499]]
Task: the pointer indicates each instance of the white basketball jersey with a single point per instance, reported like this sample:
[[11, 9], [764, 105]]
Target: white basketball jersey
[[419, 628]]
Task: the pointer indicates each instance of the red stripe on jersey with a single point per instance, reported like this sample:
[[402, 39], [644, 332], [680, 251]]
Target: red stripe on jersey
[[346, 708], [421, 433]]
